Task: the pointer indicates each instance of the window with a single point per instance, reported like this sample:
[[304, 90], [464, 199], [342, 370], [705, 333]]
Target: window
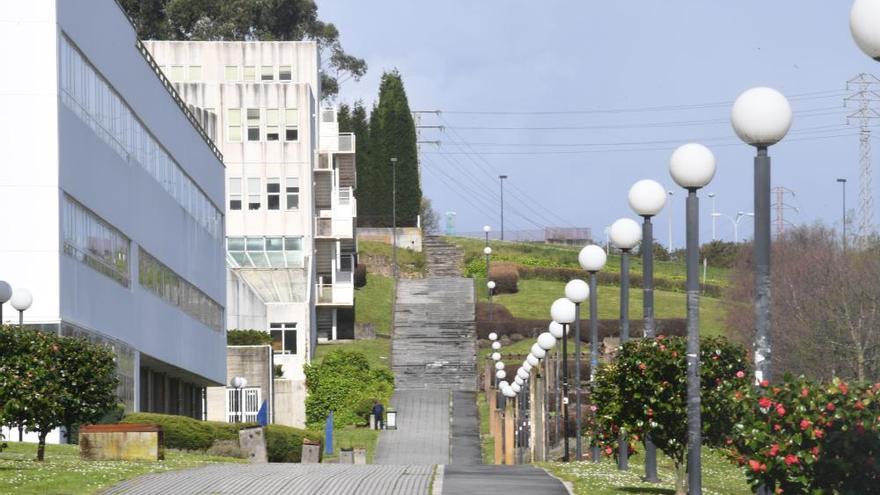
[[232, 73], [176, 73], [265, 252], [291, 124], [195, 73], [94, 242], [292, 193], [272, 124], [267, 73], [250, 73], [253, 124], [233, 118], [235, 193], [253, 193], [283, 337], [273, 194], [242, 405], [284, 73], [154, 276]]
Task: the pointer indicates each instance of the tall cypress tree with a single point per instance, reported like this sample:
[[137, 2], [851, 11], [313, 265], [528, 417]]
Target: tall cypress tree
[[392, 134]]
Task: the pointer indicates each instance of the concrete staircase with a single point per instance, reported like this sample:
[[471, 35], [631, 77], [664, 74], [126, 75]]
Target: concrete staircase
[[434, 341]]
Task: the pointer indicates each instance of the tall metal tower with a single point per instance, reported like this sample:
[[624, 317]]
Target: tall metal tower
[[779, 206], [864, 96]]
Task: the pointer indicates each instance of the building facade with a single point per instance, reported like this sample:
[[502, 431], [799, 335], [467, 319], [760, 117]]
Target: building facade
[[112, 199], [290, 178]]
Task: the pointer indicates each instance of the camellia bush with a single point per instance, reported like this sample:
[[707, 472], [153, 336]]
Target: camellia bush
[[645, 392], [801, 436], [344, 383], [48, 381]]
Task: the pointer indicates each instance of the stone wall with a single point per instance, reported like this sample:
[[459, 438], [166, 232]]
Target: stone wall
[[407, 237]]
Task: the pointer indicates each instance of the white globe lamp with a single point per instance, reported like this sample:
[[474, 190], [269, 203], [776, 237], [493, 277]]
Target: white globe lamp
[[592, 258], [762, 116], [562, 311], [500, 374], [538, 351], [487, 229], [499, 365], [493, 336], [496, 345], [516, 387], [692, 166], [577, 291], [532, 360], [496, 356], [555, 329], [518, 380], [625, 234], [487, 250], [546, 341], [864, 23], [647, 198], [522, 374]]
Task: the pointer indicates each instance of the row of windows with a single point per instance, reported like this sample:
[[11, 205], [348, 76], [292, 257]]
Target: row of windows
[[85, 92], [273, 193], [283, 337], [95, 242], [265, 252], [154, 276], [262, 124], [193, 73]]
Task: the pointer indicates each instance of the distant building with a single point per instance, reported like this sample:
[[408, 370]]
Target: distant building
[[112, 199], [567, 235], [290, 206]]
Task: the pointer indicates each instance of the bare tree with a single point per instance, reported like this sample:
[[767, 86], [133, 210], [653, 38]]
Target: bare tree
[[826, 306]]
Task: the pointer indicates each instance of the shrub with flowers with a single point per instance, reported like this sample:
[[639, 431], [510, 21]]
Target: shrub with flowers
[[801, 436], [645, 390]]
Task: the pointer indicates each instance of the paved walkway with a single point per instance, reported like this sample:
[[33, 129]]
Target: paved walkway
[[272, 479], [465, 434], [422, 434], [500, 480]]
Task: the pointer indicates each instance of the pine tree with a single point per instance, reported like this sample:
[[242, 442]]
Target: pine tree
[[392, 134]]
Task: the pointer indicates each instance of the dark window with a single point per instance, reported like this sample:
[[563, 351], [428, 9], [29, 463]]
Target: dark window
[[235, 204], [273, 194], [283, 337], [291, 134]]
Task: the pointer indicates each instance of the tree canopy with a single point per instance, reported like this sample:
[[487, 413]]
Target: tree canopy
[[248, 20]]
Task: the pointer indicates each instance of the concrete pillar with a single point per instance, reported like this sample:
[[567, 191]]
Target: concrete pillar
[[536, 433], [509, 448], [493, 405], [497, 434]]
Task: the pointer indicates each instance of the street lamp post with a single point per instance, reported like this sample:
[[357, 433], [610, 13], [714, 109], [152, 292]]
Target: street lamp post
[[592, 258], [577, 291], [670, 193], [647, 198], [761, 117], [501, 182], [864, 23], [5, 295], [563, 312], [843, 218], [692, 167], [21, 300], [712, 197], [735, 221], [625, 235], [394, 216], [238, 383]]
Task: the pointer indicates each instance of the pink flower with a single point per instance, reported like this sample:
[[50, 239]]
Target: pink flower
[[765, 383], [843, 388], [805, 392], [777, 427], [764, 402], [774, 449], [740, 374], [791, 459], [755, 465], [805, 424], [831, 407], [643, 366], [780, 410], [594, 408]]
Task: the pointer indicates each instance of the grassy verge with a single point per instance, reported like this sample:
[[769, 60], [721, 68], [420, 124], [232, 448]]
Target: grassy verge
[[379, 253], [720, 477], [357, 438], [377, 351], [374, 303], [487, 443], [64, 472], [535, 297]]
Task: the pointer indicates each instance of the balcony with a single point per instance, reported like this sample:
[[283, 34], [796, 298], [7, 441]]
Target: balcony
[[340, 290], [338, 221], [343, 142]]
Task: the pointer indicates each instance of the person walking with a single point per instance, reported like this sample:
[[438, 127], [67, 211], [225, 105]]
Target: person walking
[[379, 414]]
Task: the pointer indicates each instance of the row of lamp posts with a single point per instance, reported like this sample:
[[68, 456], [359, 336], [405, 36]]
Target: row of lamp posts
[[19, 299]]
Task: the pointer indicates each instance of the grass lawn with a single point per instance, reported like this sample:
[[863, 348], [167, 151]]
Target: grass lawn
[[720, 477], [378, 252], [354, 437], [487, 442], [64, 472], [374, 303], [377, 351], [535, 297], [566, 256]]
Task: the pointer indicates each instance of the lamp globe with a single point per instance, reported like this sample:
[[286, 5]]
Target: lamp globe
[[518, 380], [487, 250], [522, 373], [516, 387], [555, 329], [496, 345], [538, 351], [592, 258], [487, 229], [625, 233], [501, 374], [546, 341], [864, 23], [499, 365], [761, 116], [21, 299], [496, 356], [562, 311], [5, 291], [692, 166], [533, 360], [647, 197], [577, 291], [491, 285], [526, 366], [493, 336]]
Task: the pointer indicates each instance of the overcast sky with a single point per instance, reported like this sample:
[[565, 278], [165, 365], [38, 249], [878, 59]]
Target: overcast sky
[[649, 63]]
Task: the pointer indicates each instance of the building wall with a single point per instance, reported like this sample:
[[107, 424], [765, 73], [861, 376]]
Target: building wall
[[290, 400]]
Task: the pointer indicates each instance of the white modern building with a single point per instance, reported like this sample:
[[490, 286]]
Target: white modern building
[[111, 201], [290, 207]]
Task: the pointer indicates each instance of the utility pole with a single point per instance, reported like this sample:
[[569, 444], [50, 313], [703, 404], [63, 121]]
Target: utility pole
[[864, 95], [780, 206], [501, 181]]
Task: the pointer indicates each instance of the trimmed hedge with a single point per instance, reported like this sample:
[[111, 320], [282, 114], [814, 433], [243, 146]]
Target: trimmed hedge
[[504, 323], [248, 337], [283, 443], [505, 276]]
